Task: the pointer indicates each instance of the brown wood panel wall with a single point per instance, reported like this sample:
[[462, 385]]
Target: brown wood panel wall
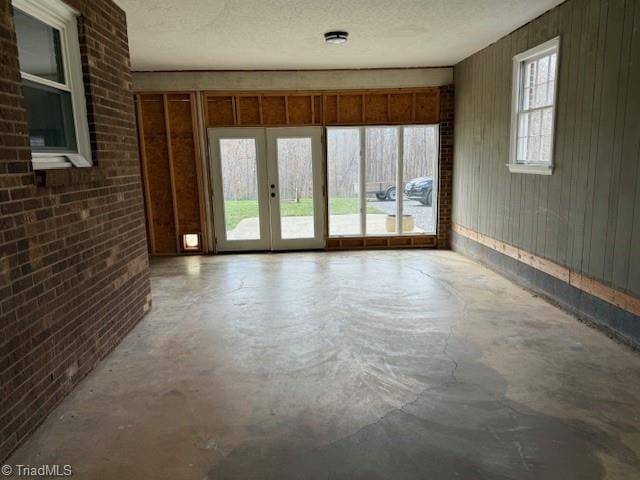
[[171, 169], [344, 107]]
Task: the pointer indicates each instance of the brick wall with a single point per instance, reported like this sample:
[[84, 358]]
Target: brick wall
[[73, 253], [446, 165]]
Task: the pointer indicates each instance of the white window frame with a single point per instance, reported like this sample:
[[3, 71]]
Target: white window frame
[[519, 61], [63, 18], [399, 182]]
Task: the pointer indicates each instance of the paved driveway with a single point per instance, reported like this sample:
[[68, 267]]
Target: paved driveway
[[424, 215]]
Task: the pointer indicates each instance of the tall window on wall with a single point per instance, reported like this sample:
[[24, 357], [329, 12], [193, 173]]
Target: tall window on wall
[[382, 180], [52, 84], [535, 74]]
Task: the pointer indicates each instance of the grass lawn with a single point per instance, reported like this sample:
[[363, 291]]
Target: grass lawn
[[237, 210]]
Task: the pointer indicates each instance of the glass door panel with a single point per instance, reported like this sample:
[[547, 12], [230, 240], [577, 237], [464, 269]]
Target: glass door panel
[[295, 187], [239, 174], [241, 209]]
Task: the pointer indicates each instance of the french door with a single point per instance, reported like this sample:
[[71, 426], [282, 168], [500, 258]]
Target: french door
[[267, 188]]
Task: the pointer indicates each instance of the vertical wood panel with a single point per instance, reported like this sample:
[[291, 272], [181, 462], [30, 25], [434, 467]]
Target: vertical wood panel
[[156, 157], [184, 157], [586, 216]]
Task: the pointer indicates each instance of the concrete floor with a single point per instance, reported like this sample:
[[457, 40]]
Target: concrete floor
[[356, 365]]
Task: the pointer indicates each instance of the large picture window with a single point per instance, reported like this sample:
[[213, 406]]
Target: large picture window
[[382, 180], [534, 105], [52, 85]]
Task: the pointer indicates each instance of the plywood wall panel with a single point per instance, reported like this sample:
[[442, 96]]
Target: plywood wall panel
[[317, 109], [157, 173], [274, 110], [300, 109], [401, 108], [184, 157], [350, 109], [169, 153], [330, 109], [376, 108], [427, 106], [248, 110], [220, 111]]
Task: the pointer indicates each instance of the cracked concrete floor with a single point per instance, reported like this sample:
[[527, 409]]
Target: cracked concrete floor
[[354, 365]]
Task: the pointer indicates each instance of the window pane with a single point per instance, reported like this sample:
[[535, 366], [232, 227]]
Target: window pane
[[535, 119], [552, 66], [522, 149], [343, 169], [39, 48], [419, 175], [381, 155], [295, 185], [50, 118], [240, 188]]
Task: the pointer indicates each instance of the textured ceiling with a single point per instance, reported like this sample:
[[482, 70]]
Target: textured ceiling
[[288, 34]]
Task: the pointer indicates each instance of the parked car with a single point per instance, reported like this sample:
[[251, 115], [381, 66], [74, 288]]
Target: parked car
[[382, 190], [421, 189]]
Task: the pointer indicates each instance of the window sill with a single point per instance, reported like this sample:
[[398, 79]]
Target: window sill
[[65, 177], [530, 168]]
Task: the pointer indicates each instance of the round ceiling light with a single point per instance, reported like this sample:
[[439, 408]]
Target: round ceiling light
[[336, 38]]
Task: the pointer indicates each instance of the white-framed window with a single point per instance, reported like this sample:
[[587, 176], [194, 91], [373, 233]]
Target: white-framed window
[[382, 180], [533, 111], [51, 72]]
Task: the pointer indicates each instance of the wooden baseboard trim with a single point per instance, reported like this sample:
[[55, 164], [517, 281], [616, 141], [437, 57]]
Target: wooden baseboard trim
[[582, 282]]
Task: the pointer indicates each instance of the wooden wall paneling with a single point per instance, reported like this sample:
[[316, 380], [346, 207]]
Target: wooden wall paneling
[[401, 108], [376, 108], [330, 109], [300, 108], [606, 165], [413, 106], [220, 110], [387, 241], [185, 160], [206, 211], [172, 176], [158, 176], [200, 169], [286, 108], [317, 110], [427, 106], [350, 108], [615, 192], [584, 216], [248, 110], [274, 110], [625, 266]]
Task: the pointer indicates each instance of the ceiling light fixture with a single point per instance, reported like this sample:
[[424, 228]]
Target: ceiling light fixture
[[336, 38]]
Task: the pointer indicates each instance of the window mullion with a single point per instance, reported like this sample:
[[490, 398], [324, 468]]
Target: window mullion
[[399, 175], [363, 173]]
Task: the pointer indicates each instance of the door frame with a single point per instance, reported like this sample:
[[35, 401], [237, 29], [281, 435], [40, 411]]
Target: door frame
[[222, 243], [317, 171], [267, 174]]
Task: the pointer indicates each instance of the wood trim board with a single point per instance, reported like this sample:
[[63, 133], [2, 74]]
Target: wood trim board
[[582, 282]]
